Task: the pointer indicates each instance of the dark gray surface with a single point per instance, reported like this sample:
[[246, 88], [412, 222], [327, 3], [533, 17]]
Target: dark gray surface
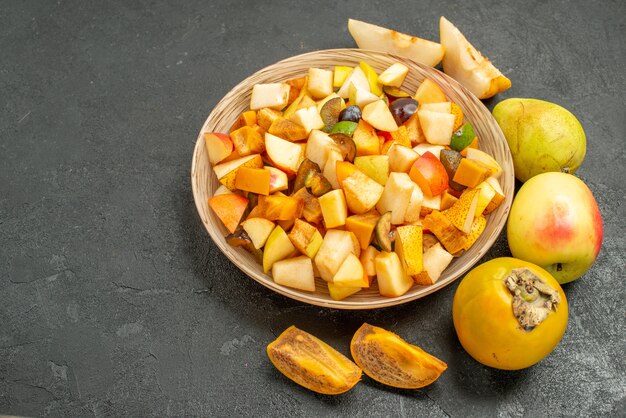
[[113, 299]]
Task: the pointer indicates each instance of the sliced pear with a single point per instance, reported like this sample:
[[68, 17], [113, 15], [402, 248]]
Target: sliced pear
[[394, 75], [465, 64], [356, 77], [379, 116], [369, 36]]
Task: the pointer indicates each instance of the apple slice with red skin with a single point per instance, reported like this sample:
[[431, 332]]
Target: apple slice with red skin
[[285, 155], [229, 208], [218, 146], [429, 174], [278, 180]]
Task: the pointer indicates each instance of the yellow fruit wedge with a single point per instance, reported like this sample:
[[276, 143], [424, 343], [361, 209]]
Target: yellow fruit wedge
[[375, 86], [464, 63], [311, 363], [409, 248], [369, 36], [462, 213], [390, 360]]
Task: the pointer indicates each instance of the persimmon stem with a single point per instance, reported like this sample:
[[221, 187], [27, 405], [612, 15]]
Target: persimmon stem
[[533, 299]]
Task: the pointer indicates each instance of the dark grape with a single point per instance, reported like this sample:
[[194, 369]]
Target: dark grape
[[350, 113], [402, 109]]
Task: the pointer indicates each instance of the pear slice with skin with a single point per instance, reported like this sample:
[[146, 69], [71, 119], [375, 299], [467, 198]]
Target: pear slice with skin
[[369, 36], [465, 64]]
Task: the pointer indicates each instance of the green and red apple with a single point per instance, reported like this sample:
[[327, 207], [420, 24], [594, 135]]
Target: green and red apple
[[555, 223]]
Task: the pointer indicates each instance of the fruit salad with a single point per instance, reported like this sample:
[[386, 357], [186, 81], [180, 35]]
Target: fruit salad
[[345, 175]]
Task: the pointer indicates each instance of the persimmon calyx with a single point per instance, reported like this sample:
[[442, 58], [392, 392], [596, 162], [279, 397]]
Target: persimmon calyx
[[533, 299]]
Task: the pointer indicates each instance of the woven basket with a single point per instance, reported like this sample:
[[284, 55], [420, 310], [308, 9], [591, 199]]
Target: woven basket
[[204, 182]]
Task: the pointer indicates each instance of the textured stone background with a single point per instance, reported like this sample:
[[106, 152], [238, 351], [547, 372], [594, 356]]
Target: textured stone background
[[113, 299]]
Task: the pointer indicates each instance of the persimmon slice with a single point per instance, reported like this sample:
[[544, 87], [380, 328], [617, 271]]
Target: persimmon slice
[[312, 363], [390, 360]]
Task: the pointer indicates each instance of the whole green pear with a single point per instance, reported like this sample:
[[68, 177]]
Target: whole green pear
[[543, 136]]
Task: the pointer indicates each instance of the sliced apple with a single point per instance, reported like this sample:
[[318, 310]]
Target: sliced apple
[[368, 260], [351, 273], [369, 36], [356, 77], [392, 279], [309, 118], [375, 167], [218, 146], [379, 116], [429, 174], [278, 179], [341, 292], [497, 199], [401, 158], [426, 147], [330, 169], [334, 208], [396, 196], [318, 147], [320, 83], [465, 64], [337, 245], [437, 126], [277, 247], [361, 97], [229, 208], [296, 272], [361, 192], [486, 194], [284, 154], [340, 74], [272, 95], [222, 190], [258, 229], [414, 208], [394, 75], [435, 261], [430, 204]]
